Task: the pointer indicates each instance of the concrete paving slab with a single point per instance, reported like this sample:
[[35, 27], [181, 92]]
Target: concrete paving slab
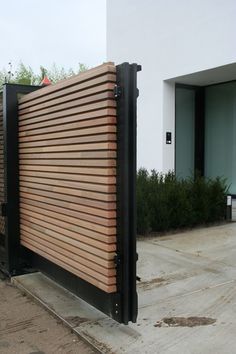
[[26, 328], [184, 275], [57, 299], [200, 240], [145, 337]]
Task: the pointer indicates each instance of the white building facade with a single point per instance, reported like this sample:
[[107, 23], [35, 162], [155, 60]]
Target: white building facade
[[187, 103]]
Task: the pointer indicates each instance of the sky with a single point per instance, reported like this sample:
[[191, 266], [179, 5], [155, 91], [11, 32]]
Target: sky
[[43, 32]]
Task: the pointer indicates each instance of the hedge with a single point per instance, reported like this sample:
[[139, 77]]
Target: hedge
[[165, 202]]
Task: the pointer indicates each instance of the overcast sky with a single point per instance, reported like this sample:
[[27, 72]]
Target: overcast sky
[[41, 32]]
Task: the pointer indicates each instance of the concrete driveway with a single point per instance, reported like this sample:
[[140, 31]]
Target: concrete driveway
[[184, 275], [187, 297]]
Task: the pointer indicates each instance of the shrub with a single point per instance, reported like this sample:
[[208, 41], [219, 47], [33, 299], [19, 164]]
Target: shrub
[[143, 214], [165, 202]]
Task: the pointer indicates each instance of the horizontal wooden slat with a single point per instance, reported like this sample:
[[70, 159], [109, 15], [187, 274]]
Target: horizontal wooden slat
[[104, 243], [105, 78], [67, 126], [71, 191], [73, 115], [69, 109], [48, 233], [71, 133], [103, 188], [107, 269], [74, 249], [88, 235], [74, 147], [107, 163], [103, 214], [63, 84], [93, 118], [90, 171], [108, 222], [71, 155], [80, 97], [69, 220], [61, 263], [107, 180], [70, 141], [71, 198]]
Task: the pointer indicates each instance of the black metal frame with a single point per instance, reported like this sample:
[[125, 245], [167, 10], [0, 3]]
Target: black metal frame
[[199, 131], [10, 257], [199, 153], [127, 94], [105, 302], [122, 305]]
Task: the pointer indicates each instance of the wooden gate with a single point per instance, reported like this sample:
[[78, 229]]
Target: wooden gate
[[67, 150], [76, 186]]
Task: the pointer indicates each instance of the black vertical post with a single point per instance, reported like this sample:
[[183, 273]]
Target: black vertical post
[[126, 92], [11, 173], [199, 131]]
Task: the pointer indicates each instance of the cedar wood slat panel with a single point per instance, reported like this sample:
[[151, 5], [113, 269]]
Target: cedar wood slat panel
[[105, 89], [104, 214], [67, 168], [70, 141], [87, 104], [71, 133], [86, 88], [71, 212], [58, 194], [73, 184], [79, 79]]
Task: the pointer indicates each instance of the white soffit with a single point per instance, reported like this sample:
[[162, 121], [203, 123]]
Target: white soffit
[[208, 77]]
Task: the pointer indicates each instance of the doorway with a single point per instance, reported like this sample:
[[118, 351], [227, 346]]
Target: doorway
[[189, 130], [205, 122]]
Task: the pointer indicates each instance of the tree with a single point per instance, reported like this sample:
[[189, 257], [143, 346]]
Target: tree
[[25, 75]]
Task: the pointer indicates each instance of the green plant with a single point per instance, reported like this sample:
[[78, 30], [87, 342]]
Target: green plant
[[165, 202], [143, 215], [25, 75]]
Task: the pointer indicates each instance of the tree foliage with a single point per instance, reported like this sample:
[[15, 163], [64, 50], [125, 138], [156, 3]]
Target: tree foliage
[[25, 75]]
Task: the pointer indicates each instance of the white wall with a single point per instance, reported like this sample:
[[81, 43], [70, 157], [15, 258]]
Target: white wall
[[169, 38]]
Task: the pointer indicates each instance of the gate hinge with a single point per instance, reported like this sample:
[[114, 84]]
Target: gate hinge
[[117, 259], [3, 210], [117, 91], [116, 313]]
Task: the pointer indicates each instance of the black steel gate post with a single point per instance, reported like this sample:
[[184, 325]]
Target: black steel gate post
[[11, 94], [126, 93]]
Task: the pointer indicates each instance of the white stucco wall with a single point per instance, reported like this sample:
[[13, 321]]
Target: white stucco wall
[[169, 38]]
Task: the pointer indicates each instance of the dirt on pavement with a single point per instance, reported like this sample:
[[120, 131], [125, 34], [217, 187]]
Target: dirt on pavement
[[27, 328], [192, 321]]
